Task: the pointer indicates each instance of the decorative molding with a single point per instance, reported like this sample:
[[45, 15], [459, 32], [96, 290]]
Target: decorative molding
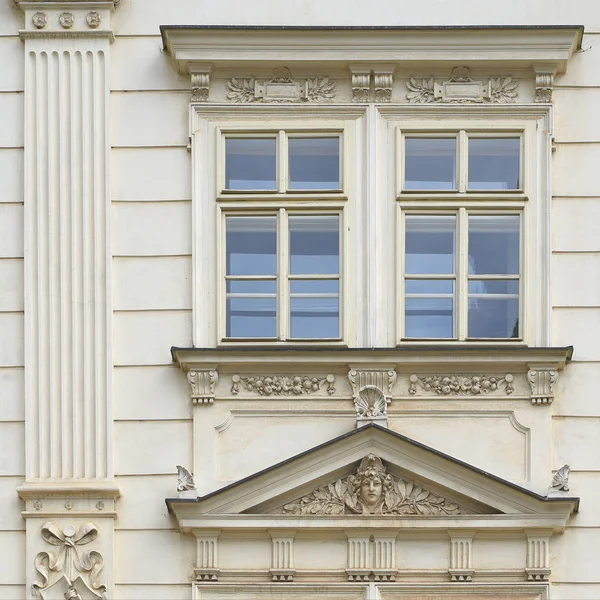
[[66, 20], [372, 491], [544, 82], [360, 82], [282, 556], [93, 19], [538, 556], [200, 74], [384, 558], [68, 562], [281, 88], [371, 557], [359, 557], [185, 480], [372, 392], [461, 556], [283, 385], [202, 385], [461, 88], [542, 379], [383, 81], [560, 481], [461, 385], [207, 555]]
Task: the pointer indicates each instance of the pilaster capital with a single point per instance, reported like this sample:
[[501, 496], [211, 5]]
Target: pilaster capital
[[67, 18]]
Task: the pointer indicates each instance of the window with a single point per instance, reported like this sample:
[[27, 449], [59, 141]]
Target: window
[[282, 276], [460, 241], [282, 242]]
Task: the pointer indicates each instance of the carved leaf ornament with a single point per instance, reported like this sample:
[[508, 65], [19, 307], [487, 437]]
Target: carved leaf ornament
[[67, 562], [372, 490]]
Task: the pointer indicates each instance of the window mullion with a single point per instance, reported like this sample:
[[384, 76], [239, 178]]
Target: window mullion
[[283, 311], [282, 163], [462, 275], [463, 161]]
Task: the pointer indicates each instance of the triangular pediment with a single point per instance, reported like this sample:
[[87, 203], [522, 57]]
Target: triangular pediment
[[374, 472]]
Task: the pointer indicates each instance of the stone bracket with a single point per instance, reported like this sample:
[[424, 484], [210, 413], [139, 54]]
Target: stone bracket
[[542, 378], [382, 77], [202, 385]]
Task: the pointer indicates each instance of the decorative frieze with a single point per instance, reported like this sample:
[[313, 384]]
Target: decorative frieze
[[69, 561], [542, 379], [283, 385], [461, 385], [461, 556], [372, 393], [281, 88], [461, 88], [282, 556], [372, 491], [538, 556], [202, 386], [207, 555]]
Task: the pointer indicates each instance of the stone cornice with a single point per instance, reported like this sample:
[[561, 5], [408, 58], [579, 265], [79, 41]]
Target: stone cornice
[[500, 46], [406, 357]]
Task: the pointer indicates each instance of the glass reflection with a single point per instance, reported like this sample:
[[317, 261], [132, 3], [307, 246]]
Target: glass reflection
[[494, 245], [251, 245], [494, 163], [429, 163], [314, 245], [314, 163], [314, 309], [251, 309], [429, 244], [250, 163]]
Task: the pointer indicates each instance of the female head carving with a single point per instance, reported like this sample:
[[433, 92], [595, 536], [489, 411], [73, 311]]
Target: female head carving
[[370, 484]]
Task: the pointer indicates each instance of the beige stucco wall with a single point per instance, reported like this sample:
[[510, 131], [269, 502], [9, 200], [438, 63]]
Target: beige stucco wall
[[151, 218]]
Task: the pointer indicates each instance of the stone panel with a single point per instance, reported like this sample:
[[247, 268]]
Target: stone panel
[[170, 561], [12, 451], [145, 338], [152, 229], [142, 502], [11, 291], [578, 327], [587, 487], [576, 118], [431, 552], [577, 443], [576, 158], [10, 515], [11, 63], [250, 552], [577, 390], [148, 393], [153, 592], [139, 63], [576, 279], [11, 132], [152, 283], [11, 339], [12, 592], [574, 224], [499, 554], [574, 556], [143, 448], [150, 118], [573, 591], [11, 230], [12, 565], [11, 174], [12, 392], [151, 174], [312, 553]]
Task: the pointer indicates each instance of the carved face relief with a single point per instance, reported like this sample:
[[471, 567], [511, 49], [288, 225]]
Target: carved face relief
[[371, 491]]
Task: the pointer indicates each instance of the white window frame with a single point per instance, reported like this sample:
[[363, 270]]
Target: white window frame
[[531, 201], [212, 202]]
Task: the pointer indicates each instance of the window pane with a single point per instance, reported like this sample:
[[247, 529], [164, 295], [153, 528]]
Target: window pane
[[429, 163], [494, 245], [494, 163], [493, 317], [429, 244], [314, 309], [251, 309], [250, 163], [429, 318], [251, 245], [314, 245], [314, 163], [429, 286]]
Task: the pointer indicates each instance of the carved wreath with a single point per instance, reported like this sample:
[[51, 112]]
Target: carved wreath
[[397, 497]]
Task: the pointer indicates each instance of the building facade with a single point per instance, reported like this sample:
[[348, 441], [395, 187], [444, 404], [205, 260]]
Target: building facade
[[299, 300]]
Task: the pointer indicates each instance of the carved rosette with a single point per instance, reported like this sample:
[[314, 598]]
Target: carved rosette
[[372, 490], [461, 385], [461, 88], [202, 385], [283, 385], [39, 20], [69, 561], [281, 88]]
